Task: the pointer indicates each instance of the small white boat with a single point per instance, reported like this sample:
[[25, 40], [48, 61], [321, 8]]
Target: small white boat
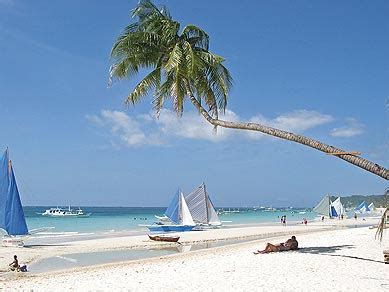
[[59, 212]]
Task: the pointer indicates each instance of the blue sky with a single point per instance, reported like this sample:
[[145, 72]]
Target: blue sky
[[319, 68]]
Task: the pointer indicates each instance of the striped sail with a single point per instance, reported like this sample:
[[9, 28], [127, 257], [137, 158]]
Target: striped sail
[[324, 207], [201, 207]]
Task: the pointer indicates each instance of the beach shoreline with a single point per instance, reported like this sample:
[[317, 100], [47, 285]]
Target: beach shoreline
[[250, 236]]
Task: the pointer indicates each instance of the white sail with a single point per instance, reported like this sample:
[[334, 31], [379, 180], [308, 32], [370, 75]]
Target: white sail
[[201, 207], [324, 207], [185, 216], [337, 204], [371, 207]]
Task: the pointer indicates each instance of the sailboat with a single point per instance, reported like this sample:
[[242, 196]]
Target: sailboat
[[11, 211], [339, 208], [179, 215], [201, 207], [326, 208]]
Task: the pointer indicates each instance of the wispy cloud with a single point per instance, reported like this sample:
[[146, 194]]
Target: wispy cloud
[[122, 127], [351, 129], [133, 131], [297, 121]]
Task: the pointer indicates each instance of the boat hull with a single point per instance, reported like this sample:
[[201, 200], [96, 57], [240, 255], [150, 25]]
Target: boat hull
[[165, 238], [12, 242], [170, 228]]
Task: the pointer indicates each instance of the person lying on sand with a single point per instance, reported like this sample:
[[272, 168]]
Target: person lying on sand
[[290, 244]]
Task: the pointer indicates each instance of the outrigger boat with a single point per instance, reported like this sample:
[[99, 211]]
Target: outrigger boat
[[164, 238]]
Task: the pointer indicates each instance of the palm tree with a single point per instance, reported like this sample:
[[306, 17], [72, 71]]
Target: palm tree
[[384, 219], [182, 67]]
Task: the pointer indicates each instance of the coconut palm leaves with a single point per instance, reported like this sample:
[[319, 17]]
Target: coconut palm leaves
[[182, 67], [180, 61]]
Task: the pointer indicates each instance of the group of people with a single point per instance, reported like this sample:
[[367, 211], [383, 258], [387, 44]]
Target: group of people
[[290, 244], [283, 220]]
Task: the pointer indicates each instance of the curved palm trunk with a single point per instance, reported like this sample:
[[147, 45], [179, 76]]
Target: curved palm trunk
[[358, 161]]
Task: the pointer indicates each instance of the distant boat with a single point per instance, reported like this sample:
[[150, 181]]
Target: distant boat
[[339, 208], [201, 208], [11, 211], [327, 208], [363, 208], [59, 212], [179, 215]]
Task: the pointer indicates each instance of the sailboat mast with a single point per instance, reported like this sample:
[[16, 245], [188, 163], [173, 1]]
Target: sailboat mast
[[206, 202]]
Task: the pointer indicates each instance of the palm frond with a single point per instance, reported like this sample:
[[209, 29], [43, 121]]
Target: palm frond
[[151, 81], [196, 36], [181, 63], [145, 8]]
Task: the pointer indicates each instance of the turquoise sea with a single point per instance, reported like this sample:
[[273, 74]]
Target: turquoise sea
[[105, 219]]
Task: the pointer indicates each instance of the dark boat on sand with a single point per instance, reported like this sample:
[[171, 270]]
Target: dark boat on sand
[[164, 238]]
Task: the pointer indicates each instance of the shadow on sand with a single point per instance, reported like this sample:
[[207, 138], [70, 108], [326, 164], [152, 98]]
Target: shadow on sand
[[43, 245], [329, 250]]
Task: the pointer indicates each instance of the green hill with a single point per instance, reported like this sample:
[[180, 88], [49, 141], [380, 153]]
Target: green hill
[[355, 200]]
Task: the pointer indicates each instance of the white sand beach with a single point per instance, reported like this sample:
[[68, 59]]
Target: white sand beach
[[336, 260]]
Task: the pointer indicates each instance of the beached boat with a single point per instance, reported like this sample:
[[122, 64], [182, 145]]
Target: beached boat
[[59, 212], [179, 215], [164, 238], [325, 208], [11, 211], [201, 208]]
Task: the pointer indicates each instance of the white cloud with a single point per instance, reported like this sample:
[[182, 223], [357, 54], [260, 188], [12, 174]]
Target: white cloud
[[296, 121], [122, 127], [145, 129], [192, 126], [351, 129]]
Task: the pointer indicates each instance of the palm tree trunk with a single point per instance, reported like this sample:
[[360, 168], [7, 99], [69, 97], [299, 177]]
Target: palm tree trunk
[[356, 160]]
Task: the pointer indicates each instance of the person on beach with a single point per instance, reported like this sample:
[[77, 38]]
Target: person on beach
[[290, 244], [15, 264]]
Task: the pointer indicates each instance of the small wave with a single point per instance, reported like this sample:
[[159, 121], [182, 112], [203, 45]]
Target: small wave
[[67, 259]]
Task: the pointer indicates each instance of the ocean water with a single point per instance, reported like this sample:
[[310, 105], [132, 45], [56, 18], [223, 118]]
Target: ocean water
[[105, 219]]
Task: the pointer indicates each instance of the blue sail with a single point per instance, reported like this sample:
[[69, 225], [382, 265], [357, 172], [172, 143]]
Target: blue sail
[[4, 184], [333, 212], [11, 212], [173, 210]]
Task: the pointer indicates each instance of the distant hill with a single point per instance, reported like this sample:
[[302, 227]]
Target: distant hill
[[354, 201]]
